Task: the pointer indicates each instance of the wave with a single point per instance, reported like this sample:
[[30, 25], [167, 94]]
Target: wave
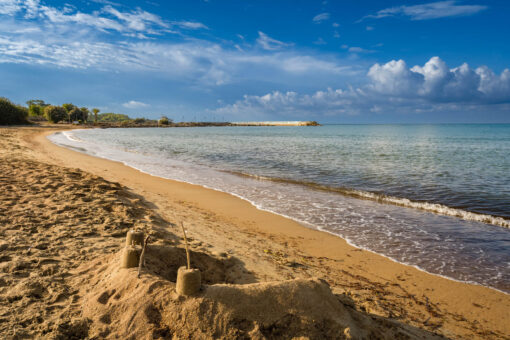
[[435, 208]]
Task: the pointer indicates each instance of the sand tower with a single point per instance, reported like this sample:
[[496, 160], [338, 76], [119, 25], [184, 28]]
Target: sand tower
[[131, 254], [188, 279]]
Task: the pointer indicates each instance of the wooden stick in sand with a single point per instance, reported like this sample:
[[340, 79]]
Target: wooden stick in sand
[[186, 244], [142, 256]]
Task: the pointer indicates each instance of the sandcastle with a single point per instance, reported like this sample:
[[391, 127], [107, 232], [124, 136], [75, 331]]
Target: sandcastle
[[134, 237], [188, 279], [131, 254]]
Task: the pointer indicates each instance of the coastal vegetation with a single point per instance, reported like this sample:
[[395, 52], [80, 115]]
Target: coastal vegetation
[[55, 114], [37, 110], [12, 114]]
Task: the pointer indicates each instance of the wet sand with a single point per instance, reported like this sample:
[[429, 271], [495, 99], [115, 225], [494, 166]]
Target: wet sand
[[86, 204]]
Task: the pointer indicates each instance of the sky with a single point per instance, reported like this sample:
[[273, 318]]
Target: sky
[[332, 61]]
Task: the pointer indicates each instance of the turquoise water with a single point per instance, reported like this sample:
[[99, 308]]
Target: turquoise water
[[433, 196]]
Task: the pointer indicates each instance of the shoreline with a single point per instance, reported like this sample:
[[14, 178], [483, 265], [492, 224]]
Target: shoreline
[[316, 243], [315, 227]]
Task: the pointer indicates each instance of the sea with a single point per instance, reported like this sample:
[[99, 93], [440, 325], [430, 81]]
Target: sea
[[436, 197]]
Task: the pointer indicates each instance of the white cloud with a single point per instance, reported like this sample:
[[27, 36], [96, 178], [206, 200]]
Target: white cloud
[[391, 87], [435, 82], [133, 104], [433, 10], [136, 23], [195, 61], [270, 44], [192, 25], [9, 7], [355, 49], [321, 17], [137, 20]]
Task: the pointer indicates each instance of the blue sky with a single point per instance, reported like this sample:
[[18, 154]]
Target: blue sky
[[331, 61]]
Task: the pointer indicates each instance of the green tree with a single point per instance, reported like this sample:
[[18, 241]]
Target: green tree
[[11, 113], [113, 117], [86, 113], [35, 110], [164, 120], [55, 114], [77, 114], [37, 102], [68, 107], [96, 112]]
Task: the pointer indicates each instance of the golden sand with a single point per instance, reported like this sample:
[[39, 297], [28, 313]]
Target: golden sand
[[63, 220]]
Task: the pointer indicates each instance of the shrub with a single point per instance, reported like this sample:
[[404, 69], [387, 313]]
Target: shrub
[[139, 120], [164, 120], [11, 113], [35, 111], [55, 114], [77, 115], [112, 117]]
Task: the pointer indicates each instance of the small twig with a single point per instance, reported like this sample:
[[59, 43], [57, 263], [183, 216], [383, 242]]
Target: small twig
[[186, 244], [142, 256]]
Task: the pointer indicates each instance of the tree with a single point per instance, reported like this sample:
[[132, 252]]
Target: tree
[[37, 102], [86, 113], [68, 107], [113, 117], [35, 110], [11, 113], [164, 120], [55, 114], [77, 114], [96, 111]]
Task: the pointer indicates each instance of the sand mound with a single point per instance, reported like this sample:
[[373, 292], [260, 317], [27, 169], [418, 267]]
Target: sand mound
[[52, 220], [117, 304]]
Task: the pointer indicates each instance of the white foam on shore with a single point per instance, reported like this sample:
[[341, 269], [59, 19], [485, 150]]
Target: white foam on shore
[[435, 208]]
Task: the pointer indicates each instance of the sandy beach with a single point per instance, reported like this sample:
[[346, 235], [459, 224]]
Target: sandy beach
[[64, 216]]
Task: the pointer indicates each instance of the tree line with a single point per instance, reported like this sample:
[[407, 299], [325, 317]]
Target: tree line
[[11, 113], [67, 112], [38, 110]]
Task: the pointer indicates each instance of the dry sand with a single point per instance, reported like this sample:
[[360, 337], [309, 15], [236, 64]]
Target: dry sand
[[63, 218]]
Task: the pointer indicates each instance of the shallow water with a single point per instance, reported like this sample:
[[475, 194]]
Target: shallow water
[[414, 193]]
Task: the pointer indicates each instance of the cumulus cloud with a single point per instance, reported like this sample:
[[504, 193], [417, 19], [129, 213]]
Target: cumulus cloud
[[133, 104], [436, 82], [390, 87], [432, 10], [268, 43], [321, 17]]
